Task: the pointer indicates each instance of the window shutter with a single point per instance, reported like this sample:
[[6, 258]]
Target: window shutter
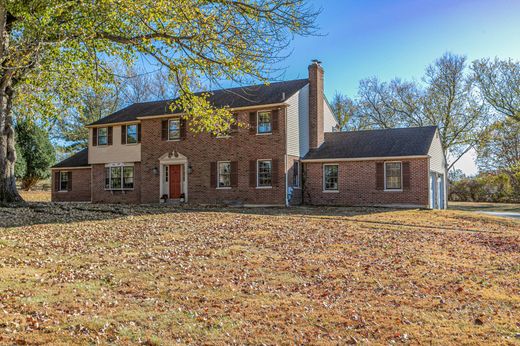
[[164, 130], [138, 133], [234, 173], [252, 173], [69, 183], [274, 120], [123, 134], [274, 172], [252, 123], [380, 176], [94, 136], [56, 181], [183, 129], [213, 174], [109, 135], [406, 175], [234, 126]]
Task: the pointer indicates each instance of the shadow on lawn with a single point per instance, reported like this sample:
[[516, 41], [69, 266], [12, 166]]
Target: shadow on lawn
[[33, 213]]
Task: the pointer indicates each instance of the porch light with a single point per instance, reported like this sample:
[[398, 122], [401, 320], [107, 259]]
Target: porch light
[[155, 171], [190, 169]]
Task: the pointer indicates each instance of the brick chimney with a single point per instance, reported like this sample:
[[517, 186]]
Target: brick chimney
[[315, 104]]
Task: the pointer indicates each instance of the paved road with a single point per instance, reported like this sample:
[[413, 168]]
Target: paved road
[[511, 215]]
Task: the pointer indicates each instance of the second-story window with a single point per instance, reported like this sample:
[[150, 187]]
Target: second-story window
[[102, 136], [131, 134], [264, 122], [174, 129]]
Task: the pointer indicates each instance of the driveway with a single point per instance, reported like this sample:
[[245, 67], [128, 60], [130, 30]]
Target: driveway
[[510, 214]]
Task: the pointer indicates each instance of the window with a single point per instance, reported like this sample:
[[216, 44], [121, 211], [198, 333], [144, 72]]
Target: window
[[174, 129], [166, 172], [296, 174], [64, 181], [264, 170], [224, 174], [264, 122], [102, 136], [393, 176], [131, 134], [330, 177], [119, 178]]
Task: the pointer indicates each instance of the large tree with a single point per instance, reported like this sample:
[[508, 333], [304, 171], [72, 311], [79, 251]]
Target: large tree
[[447, 97], [499, 84], [36, 153], [52, 49]]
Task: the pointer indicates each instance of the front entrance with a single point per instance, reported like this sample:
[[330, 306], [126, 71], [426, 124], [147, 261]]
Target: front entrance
[[175, 181]]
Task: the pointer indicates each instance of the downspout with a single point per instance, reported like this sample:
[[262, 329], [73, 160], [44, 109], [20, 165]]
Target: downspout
[[285, 157]]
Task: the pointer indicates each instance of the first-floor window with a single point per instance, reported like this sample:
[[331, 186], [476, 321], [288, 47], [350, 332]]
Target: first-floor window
[[119, 178], [224, 174], [265, 168], [64, 181], [393, 176], [330, 177], [296, 174]]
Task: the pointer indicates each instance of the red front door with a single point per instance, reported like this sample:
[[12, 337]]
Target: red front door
[[175, 181]]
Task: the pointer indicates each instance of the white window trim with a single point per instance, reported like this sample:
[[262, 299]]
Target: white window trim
[[174, 139], [136, 134], [298, 163], [97, 140], [122, 178], [59, 184], [218, 176], [394, 190], [323, 178], [258, 173], [257, 123]]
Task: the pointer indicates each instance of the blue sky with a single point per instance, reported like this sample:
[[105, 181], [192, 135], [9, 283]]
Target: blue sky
[[390, 38]]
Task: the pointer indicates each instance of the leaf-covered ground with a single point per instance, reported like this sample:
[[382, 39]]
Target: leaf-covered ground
[[117, 274]]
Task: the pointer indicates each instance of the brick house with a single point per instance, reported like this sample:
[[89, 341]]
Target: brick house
[[287, 152]]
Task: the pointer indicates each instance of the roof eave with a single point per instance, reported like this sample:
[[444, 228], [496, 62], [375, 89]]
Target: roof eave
[[374, 158]]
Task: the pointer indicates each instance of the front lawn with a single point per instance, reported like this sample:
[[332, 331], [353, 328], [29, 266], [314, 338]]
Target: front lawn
[[116, 274]]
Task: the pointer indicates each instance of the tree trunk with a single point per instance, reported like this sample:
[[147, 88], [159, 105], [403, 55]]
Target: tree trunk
[[8, 191]]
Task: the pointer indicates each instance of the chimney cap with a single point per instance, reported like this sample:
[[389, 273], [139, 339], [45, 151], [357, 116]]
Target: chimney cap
[[316, 61]]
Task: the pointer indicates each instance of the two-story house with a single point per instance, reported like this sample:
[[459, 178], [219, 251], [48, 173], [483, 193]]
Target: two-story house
[[289, 152]]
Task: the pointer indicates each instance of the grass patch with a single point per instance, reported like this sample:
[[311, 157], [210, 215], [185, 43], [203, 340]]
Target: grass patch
[[155, 275]]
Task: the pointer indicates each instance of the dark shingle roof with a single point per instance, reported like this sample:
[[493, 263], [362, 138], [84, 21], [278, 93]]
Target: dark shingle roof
[[410, 141], [80, 159], [254, 95]]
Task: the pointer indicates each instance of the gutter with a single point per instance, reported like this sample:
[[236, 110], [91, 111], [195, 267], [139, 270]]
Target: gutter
[[379, 158]]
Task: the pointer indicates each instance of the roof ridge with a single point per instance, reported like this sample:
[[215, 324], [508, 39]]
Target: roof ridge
[[224, 89], [387, 129]]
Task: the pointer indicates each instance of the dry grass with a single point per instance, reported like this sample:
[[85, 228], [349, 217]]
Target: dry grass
[[115, 274], [484, 206], [36, 196]]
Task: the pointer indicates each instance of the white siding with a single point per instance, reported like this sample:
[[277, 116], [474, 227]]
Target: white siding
[[329, 120], [116, 152], [298, 123], [437, 162]]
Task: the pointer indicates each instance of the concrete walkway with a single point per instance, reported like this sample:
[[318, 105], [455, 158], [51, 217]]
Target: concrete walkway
[[511, 215]]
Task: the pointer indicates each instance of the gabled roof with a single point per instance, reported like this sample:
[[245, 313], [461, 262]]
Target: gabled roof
[[80, 159], [255, 95], [412, 141]]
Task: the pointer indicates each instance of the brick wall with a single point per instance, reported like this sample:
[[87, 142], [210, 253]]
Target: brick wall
[[100, 195], [357, 185], [202, 149], [80, 191]]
